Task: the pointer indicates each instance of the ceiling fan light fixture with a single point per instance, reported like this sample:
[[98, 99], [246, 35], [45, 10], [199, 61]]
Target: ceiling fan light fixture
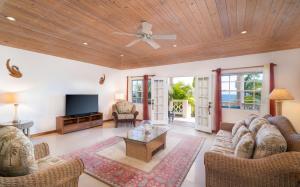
[[244, 32], [145, 34], [85, 43], [10, 18], [121, 55], [174, 45]]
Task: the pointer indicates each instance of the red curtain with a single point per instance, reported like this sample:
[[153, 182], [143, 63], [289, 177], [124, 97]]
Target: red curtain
[[272, 86], [218, 105], [145, 98]]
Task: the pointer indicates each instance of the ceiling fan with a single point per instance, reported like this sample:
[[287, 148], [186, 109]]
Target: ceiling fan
[[145, 34]]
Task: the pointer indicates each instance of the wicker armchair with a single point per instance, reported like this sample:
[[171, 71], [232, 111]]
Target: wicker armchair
[[62, 175], [124, 111], [279, 170]]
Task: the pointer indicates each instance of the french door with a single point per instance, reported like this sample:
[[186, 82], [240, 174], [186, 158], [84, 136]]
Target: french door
[[203, 103], [159, 100]]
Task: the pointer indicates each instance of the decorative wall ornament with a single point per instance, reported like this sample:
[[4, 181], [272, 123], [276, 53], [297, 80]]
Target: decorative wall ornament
[[13, 70], [102, 79]]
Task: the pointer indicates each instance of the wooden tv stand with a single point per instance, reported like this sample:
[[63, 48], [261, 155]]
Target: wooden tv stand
[[65, 124]]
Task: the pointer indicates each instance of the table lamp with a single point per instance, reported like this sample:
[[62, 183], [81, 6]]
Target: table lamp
[[119, 96], [11, 98], [279, 95]]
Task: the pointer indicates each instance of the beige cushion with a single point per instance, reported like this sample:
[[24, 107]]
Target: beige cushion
[[236, 126], [16, 153], [256, 124], [49, 161], [222, 143], [269, 141], [238, 135], [222, 150], [125, 116], [223, 135], [124, 107], [244, 149], [249, 119]]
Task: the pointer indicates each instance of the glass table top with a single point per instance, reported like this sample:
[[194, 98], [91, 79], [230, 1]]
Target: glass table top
[[146, 132]]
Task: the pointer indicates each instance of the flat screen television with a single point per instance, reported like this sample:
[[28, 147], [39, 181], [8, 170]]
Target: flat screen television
[[77, 105]]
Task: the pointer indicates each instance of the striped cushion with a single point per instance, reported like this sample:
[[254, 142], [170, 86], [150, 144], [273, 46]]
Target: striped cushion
[[124, 107], [238, 135], [256, 124]]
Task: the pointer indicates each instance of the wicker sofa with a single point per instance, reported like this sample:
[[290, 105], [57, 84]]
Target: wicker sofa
[[62, 175], [279, 170]]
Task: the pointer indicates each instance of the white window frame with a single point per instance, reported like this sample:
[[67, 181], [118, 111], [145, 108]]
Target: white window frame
[[130, 89], [240, 101], [140, 91]]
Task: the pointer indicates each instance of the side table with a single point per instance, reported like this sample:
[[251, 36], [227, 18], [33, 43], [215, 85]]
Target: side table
[[23, 125]]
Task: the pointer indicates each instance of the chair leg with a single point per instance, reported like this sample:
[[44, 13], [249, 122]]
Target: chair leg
[[116, 124]]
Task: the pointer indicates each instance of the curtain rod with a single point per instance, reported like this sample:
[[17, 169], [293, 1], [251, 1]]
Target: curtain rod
[[245, 67], [141, 76]]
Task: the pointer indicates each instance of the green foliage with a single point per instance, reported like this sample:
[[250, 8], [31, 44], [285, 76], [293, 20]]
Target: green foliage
[[182, 91], [251, 84]]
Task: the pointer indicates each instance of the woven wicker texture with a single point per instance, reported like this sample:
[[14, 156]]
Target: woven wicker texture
[[279, 170], [63, 175]]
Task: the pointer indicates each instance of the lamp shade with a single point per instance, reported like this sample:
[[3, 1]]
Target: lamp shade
[[9, 98], [281, 94], [119, 96]]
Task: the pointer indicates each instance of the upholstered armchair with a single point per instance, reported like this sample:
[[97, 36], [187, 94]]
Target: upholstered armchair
[[65, 174], [124, 111]]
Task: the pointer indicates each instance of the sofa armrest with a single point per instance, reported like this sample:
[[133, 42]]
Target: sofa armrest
[[66, 174], [114, 108], [41, 150], [226, 126], [275, 169], [115, 115], [135, 114], [133, 109]]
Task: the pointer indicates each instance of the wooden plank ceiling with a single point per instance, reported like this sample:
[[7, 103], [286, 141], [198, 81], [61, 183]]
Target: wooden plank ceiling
[[205, 29]]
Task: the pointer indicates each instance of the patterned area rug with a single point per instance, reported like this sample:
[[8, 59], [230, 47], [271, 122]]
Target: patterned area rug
[[107, 162]]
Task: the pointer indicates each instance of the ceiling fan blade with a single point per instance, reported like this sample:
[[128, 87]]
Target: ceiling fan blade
[[133, 42], [152, 43], [146, 27], [164, 37], [125, 34]]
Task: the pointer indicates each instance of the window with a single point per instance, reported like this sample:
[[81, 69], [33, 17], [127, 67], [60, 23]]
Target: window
[[137, 91], [242, 90]]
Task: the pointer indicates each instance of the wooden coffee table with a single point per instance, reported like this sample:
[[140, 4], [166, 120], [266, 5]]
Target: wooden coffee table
[[142, 145]]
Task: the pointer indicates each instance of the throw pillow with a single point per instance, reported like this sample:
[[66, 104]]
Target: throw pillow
[[238, 135], [244, 149], [249, 119], [236, 126], [16, 153], [124, 107], [256, 124], [269, 141]]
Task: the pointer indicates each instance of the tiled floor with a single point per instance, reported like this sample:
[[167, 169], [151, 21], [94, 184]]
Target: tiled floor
[[61, 144]]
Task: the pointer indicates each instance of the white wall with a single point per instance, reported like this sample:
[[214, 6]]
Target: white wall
[[46, 79], [287, 75]]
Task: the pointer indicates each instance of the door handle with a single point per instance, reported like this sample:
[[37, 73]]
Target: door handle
[[152, 104], [209, 107]]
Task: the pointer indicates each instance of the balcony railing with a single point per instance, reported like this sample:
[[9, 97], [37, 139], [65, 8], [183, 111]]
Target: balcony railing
[[181, 108]]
